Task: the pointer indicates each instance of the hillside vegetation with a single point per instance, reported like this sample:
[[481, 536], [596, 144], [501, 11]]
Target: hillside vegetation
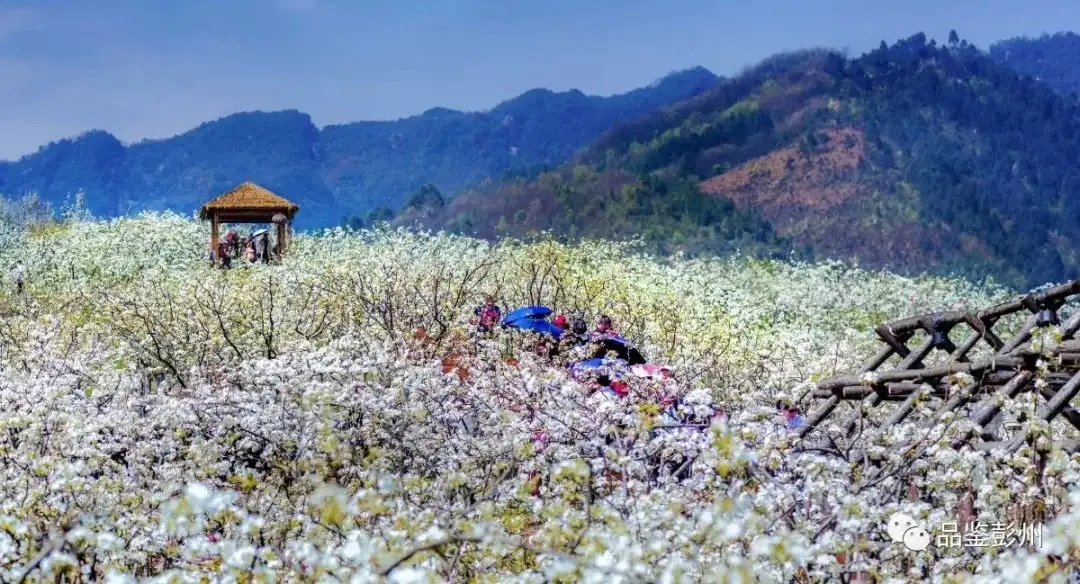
[[1053, 59], [333, 417], [913, 156], [339, 170]]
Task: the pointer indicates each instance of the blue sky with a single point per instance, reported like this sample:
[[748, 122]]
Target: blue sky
[[154, 68]]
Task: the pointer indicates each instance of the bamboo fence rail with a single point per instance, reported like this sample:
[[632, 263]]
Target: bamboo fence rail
[[1007, 372]]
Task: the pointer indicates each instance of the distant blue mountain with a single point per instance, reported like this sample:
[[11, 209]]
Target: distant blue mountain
[[339, 170]]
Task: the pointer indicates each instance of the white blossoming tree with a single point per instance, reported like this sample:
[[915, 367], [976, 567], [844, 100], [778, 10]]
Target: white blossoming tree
[[335, 417]]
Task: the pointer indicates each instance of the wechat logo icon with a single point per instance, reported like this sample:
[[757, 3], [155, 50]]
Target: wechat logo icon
[[902, 529]]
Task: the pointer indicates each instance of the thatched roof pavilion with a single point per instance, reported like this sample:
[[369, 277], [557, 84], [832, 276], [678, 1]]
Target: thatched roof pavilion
[[249, 203]]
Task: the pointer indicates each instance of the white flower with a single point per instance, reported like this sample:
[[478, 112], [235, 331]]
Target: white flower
[[146, 371]]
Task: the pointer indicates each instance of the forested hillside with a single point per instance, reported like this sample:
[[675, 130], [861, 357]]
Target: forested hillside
[[338, 170], [1054, 59], [913, 156]]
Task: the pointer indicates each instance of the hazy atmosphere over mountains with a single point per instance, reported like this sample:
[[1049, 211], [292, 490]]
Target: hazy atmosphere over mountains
[[157, 69], [337, 170], [918, 154]]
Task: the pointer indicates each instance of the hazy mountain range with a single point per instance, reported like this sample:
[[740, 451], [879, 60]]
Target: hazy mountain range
[[915, 156], [337, 170]]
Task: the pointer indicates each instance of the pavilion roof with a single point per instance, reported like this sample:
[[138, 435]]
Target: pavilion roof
[[248, 196]]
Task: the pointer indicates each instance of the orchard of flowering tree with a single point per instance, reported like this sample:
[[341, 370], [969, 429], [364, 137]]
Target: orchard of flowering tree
[[333, 417]]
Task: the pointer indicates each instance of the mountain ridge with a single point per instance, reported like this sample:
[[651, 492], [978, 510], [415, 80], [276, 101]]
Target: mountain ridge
[[911, 157], [335, 170], [701, 72]]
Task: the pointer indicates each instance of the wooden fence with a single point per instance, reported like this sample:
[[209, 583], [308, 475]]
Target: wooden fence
[[1008, 370]]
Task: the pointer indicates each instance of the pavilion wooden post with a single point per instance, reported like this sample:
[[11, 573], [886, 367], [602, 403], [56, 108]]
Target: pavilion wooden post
[[281, 224], [214, 237]]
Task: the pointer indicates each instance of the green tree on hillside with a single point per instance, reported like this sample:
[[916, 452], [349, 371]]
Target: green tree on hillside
[[374, 217], [427, 196]]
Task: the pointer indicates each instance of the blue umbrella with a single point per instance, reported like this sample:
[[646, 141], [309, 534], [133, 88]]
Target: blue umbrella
[[537, 326], [526, 312]]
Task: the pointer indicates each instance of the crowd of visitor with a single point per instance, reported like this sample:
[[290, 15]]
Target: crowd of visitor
[[250, 249], [570, 343]]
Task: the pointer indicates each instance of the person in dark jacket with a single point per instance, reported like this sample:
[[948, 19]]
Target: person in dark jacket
[[574, 335], [18, 275], [578, 327], [225, 255], [231, 242], [262, 253]]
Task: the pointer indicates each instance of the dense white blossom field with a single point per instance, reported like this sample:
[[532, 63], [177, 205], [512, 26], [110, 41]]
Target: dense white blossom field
[[333, 418]]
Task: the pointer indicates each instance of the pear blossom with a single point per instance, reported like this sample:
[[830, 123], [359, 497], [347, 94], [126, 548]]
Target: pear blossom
[[163, 420]]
